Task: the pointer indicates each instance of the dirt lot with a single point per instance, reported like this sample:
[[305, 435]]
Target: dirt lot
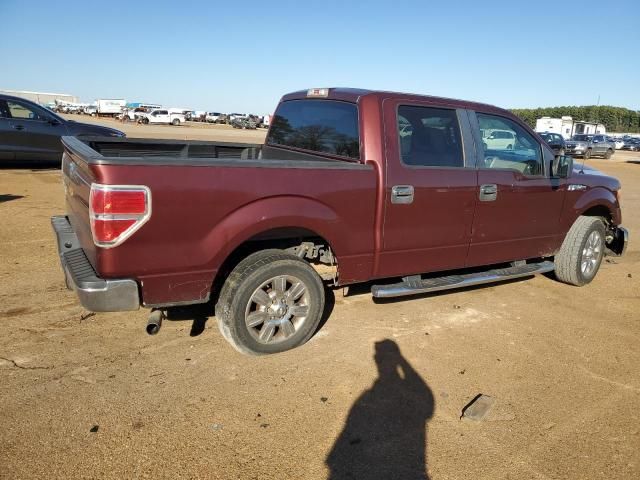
[[188, 131], [92, 396]]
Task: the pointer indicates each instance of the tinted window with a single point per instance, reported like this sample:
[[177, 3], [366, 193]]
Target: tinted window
[[24, 111], [429, 137], [319, 125], [517, 150]]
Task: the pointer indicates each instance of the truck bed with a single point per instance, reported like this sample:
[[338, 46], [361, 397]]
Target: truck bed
[[209, 197]]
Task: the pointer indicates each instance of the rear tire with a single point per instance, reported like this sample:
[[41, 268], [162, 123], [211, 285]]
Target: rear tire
[[175, 122], [608, 154], [581, 253], [271, 302]]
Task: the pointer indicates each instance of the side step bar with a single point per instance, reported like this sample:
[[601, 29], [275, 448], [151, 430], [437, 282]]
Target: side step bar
[[414, 285]]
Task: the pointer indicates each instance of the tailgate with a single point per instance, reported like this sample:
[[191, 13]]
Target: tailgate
[[77, 179]]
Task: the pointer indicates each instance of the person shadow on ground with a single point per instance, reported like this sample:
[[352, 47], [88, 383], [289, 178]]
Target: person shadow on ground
[[384, 436]]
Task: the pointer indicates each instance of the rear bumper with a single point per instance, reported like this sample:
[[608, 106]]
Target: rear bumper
[[96, 294]]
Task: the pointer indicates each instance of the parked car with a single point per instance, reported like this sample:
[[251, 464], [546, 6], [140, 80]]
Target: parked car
[[29, 132], [212, 117], [555, 141], [90, 110], [617, 142], [162, 116], [266, 228], [631, 144], [586, 145], [501, 139], [244, 123]]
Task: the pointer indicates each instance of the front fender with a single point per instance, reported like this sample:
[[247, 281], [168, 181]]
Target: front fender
[[270, 213], [579, 202]]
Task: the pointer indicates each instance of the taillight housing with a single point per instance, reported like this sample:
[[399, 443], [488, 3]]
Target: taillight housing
[[117, 212]]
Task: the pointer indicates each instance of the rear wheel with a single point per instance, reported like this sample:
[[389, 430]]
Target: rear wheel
[[608, 154], [271, 302], [581, 253], [175, 122]]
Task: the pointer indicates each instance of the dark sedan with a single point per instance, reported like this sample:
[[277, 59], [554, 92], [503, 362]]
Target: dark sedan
[[555, 141], [632, 144], [29, 132]]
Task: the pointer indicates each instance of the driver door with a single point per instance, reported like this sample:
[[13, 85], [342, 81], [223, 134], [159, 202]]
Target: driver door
[[518, 205], [33, 133]]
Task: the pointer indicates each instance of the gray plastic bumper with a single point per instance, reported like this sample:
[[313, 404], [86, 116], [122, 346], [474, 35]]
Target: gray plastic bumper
[[96, 294]]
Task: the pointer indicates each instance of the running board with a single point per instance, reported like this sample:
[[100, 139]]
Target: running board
[[414, 285]]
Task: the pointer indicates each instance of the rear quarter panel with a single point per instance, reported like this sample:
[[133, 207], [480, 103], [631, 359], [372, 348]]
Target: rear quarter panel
[[200, 214]]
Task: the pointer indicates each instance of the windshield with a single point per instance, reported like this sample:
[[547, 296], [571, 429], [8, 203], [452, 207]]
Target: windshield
[[582, 138]]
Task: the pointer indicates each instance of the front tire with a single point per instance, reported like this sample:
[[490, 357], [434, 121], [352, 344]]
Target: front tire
[[587, 154], [271, 302], [175, 122], [608, 154], [581, 253]]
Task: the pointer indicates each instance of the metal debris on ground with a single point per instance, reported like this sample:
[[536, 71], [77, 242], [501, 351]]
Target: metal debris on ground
[[478, 408]]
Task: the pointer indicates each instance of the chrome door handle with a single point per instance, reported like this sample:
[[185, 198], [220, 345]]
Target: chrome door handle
[[402, 194], [488, 192]]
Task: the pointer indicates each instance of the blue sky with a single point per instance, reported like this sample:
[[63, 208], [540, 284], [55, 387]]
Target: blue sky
[[244, 55]]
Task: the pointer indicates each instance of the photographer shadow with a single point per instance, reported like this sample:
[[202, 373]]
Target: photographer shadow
[[384, 436]]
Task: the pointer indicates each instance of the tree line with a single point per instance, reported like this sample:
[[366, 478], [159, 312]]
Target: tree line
[[615, 119]]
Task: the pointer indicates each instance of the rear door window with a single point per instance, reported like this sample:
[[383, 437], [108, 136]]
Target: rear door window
[[323, 126], [429, 137]]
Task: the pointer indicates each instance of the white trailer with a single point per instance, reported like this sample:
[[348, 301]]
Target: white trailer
[[111, 107], [563, 126], [567, 127]]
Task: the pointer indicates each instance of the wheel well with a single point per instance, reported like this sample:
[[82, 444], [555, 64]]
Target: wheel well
[[599, 211], [299, 241]]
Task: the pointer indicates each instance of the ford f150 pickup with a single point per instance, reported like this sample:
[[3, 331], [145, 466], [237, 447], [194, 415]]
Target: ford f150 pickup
[[350, 186]]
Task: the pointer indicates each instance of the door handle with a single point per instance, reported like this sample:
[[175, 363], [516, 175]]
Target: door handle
[[18, 127], [402, 194], [488, 192]]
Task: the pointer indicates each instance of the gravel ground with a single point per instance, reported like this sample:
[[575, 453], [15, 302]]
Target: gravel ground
[[377, 393]]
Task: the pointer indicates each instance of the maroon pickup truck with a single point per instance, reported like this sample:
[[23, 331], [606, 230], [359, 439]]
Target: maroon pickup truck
[[417, 193]]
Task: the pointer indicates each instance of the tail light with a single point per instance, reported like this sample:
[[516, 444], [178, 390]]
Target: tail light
[[117, 211]]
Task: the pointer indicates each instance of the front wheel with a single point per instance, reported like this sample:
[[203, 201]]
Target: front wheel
[[581, 253], [608, 154], [587, 154], [271, 302], [175, 122]]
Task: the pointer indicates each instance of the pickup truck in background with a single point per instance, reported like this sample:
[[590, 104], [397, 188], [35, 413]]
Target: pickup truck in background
[[350, 186], [161, 116], [587, 145]]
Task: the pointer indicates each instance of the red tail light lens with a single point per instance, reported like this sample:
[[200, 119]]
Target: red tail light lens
[[117, 211]]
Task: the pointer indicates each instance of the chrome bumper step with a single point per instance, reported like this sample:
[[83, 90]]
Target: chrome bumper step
[[415, 285]]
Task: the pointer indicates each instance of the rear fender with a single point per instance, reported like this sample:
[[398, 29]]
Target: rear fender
[[270, 213]]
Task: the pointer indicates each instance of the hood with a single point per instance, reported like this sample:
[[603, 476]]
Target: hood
[[86, 129], [593, 177]]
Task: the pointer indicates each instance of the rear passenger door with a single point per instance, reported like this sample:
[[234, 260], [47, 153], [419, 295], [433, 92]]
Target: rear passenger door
[[518, 205], [430, 188]]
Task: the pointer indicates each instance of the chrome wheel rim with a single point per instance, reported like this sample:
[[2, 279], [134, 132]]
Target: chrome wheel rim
[[277, 309], [591, 254]]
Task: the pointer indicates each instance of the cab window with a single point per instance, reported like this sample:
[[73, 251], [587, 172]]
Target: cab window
[[509, 146], [429, 137]]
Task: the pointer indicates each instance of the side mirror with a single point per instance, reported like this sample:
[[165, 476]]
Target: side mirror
[[54, 122], [563, 167]]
